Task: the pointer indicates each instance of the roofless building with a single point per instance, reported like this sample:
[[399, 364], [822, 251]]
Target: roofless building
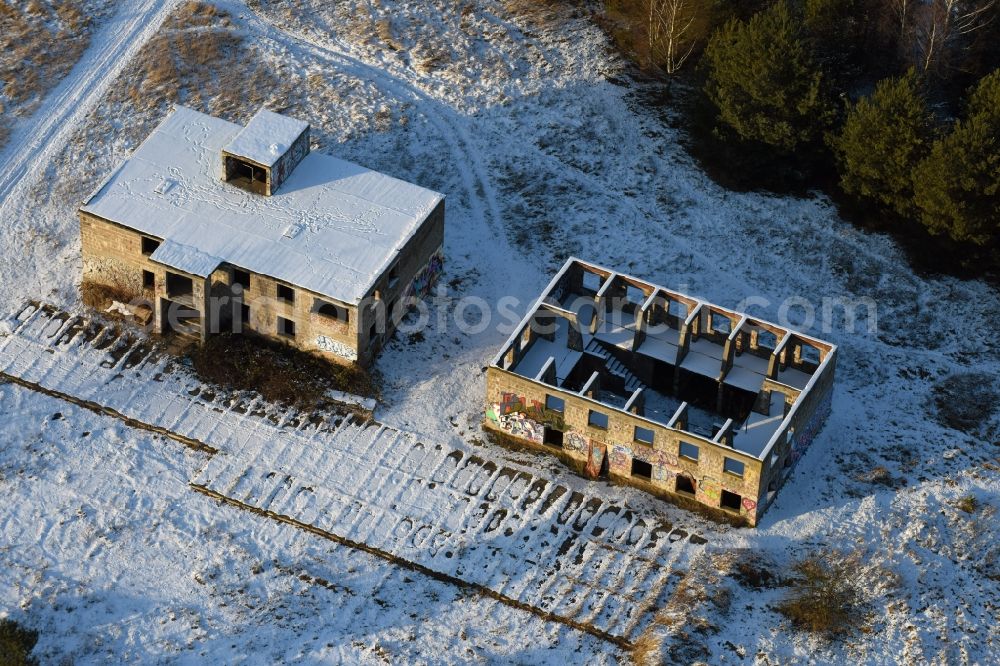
[[224, 227], [660, 390]]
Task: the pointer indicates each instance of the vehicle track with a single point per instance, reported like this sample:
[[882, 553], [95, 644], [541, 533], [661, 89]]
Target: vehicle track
[[480, 193]]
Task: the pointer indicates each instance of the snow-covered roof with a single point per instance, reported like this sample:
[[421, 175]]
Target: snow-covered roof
[[185, 258], [332, 228], [266, 137]]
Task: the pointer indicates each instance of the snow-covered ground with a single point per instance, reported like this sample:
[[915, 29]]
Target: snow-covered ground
[[543, 149]]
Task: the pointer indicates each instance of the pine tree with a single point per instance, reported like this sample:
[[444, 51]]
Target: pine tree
[[957, 187], [883, 138], [764, 82]]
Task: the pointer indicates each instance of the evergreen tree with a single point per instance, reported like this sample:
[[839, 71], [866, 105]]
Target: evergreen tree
[[883, 138], [835, 35], [957, 187], [16, 644], [764, 82]]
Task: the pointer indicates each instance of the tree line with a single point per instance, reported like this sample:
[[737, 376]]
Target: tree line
[[893, 104]]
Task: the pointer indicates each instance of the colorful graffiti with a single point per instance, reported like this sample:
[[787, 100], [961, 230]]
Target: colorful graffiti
[[421, 285], [749, 504], [336, 347], [518, 418], [519, 425], [710, 488], [663, 473], [665, 459], [619, 458], [574, 441], [512, 402], [595, 459]]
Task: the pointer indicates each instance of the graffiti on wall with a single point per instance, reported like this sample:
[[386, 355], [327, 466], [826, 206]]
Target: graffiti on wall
[[517, 417], [426, 277], [664, 464], [595, 459], [619, 458], [663, 473], [749, 504], [805, 436], [574, 441], [283, 167], [710, 488], [336, 347], [519, 425]]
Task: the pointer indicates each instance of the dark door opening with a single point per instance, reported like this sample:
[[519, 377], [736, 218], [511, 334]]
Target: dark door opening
[[685, 484], [179, 318], [731, 501], [243, 321], [699, 390], [553, 437], [737, 403]]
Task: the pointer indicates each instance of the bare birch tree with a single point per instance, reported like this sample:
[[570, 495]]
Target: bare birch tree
[[946, 26], [674, 30]]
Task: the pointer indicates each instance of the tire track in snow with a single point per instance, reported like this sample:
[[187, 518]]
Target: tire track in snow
[[65, 107], [482, 197]]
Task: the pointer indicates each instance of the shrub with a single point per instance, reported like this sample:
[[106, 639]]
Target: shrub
[[764, 83], [100, 296], [966, 401], [968, 504], [883, 138], [824, 598], [957, 186], [16, 644], [279, 372], [755, 574]]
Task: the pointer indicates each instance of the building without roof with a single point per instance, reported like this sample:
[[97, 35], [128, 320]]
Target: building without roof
[[659, 390], [224, 227]]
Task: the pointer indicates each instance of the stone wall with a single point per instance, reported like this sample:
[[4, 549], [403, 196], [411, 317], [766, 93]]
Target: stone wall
[[516, 407], [287, 162], [112, 255], [417, 268], [806, 421], [334, 339]]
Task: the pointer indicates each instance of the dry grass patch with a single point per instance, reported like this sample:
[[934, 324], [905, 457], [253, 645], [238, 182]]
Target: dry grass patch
[[678, 632], [101, 296], [966, 402], [40, 41], [968, 504], [16, 644], [279, 372], [199, 58], [543, 13], [825, 595]]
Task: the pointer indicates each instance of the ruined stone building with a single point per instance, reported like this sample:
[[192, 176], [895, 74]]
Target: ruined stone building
[[224, 228], [659, 390]]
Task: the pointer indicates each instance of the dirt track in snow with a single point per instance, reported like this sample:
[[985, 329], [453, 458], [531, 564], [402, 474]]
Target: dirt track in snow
[[32, 146]]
